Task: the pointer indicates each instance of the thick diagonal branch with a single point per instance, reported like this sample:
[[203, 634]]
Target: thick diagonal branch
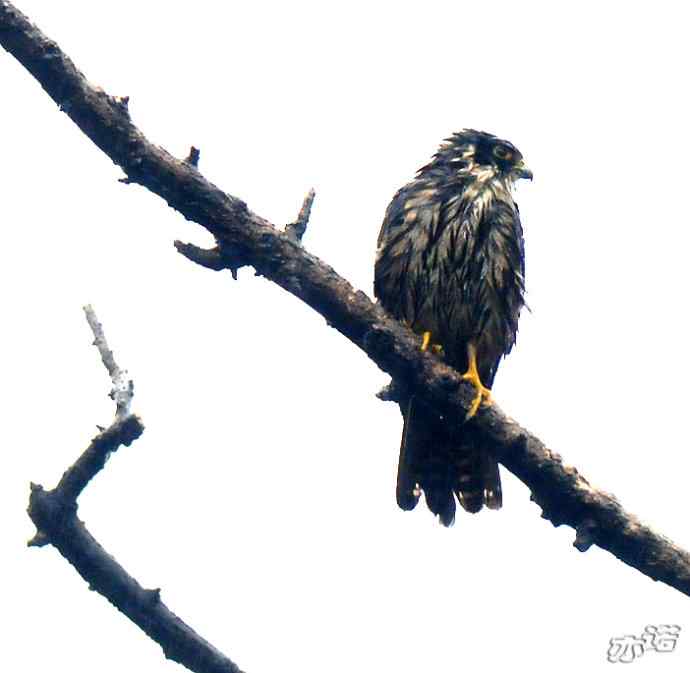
[[247, 238]]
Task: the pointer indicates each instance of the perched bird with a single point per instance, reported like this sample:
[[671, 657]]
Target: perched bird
[[450, 264]]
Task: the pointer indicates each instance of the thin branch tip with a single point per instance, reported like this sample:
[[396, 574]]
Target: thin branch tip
[[122, 391]]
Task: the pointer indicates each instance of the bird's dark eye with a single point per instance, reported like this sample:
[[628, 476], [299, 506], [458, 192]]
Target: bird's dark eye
[[501, 152]]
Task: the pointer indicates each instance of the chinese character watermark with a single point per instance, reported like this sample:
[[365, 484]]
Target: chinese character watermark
[[661, 638]]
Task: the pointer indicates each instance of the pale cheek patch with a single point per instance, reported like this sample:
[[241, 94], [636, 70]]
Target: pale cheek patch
[[480, 187]]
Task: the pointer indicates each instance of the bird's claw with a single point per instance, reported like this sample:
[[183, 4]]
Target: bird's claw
[[483, 395], [436, 349]]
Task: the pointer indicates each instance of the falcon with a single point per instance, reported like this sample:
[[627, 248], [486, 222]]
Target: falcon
[[450, 264]]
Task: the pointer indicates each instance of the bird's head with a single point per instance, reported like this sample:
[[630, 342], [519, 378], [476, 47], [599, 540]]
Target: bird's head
[[470, 151]]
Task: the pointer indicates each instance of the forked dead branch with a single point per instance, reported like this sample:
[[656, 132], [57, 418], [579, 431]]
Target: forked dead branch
[[54, 513], [246, 239]]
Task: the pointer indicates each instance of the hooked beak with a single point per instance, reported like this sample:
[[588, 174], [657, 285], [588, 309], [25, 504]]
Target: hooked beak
[[521, 171]]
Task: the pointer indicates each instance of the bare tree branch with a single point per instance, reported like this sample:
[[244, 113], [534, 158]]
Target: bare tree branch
[[55, 515], [245, 238]]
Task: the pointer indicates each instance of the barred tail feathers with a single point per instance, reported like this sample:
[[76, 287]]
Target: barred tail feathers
[[443, 468]]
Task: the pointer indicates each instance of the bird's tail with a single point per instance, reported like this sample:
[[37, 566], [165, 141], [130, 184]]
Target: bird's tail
[[443, 466]]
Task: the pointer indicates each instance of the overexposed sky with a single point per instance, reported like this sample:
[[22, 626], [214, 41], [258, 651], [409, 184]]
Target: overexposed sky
[[261, 497]]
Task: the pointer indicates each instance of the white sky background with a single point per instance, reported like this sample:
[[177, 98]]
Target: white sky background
[[261, 496]]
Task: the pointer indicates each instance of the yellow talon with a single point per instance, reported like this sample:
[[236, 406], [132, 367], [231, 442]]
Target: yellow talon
[[472, 375], [426, 340], [436, 349]]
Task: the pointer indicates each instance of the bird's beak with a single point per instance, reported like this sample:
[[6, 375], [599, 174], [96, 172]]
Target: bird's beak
[[521, 171]]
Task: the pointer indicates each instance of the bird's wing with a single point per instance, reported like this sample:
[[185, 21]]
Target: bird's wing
[[406, 258]]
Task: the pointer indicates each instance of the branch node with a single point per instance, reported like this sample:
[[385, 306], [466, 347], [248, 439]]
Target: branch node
[[193, 157], [210, 259], [584, 535], [295, 230], [123, 103], [377, 340], [216, 259], [38, 540], [390, 393], [153, 596]]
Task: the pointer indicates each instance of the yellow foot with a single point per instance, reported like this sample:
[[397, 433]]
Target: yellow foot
[[436, 349], [483, 395]]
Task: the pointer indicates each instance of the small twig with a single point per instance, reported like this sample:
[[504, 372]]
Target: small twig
[[123, 387], [295, 230], [193, 157], [123, 102], [217, 258], [208, 258]]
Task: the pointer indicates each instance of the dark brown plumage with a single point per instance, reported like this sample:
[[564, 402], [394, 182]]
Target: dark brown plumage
[[450, 263]]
